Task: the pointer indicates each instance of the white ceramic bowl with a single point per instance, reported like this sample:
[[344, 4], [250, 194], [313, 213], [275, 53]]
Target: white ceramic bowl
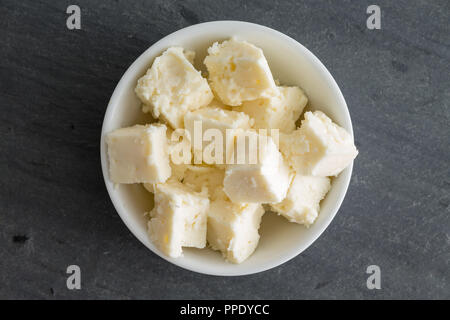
[[292, 64]]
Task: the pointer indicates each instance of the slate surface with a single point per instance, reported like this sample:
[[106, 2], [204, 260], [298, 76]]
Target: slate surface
[[55, 211]]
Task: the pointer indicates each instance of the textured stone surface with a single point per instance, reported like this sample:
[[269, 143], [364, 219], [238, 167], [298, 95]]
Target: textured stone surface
[[54, 88]]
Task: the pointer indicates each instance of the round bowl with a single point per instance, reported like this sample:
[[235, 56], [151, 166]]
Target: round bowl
[[292, 64]]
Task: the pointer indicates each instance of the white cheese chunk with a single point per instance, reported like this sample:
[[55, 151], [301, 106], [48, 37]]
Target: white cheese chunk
[[179, 218], [172, 87], [199, 177], [301, 204], [178, 172], [260, 175], [238, 71], [319, 147], [138, 154], [214, 118], [233, 228], [179, 148], [277, 112]]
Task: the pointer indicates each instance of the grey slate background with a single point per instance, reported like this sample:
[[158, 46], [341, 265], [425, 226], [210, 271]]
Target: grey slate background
[[54, 88]]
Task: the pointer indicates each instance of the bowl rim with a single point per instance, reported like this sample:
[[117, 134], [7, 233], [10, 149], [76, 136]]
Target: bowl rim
[[125, 217]]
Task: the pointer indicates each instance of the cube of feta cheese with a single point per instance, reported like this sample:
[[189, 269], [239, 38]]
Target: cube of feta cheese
[[233, 228], [319, 147], [238, 71], [138, 154], [179, 218], [172, 87], [301, 204], [199, 177], [179, 148], [218, 119], [178, 172], [260, 174], [277, 112]]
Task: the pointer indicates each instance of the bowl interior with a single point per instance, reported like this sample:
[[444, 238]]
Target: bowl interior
[[292, 64]]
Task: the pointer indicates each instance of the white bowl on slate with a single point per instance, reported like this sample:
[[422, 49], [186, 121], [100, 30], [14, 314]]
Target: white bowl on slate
[[292, 64]]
